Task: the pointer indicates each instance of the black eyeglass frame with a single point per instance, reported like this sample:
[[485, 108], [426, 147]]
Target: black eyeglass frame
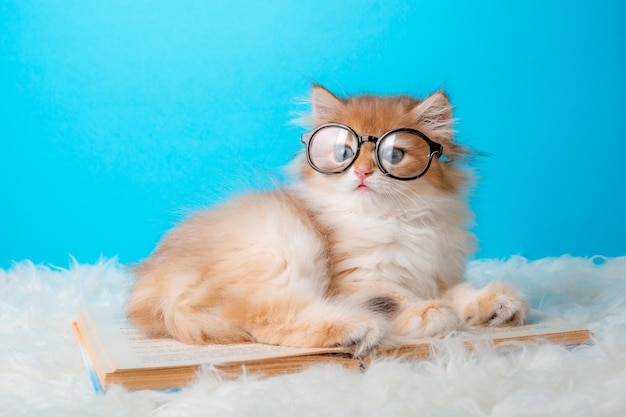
[[435, 149]]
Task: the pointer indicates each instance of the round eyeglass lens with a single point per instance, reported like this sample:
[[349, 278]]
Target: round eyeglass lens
[[403, 154], [332, 148]]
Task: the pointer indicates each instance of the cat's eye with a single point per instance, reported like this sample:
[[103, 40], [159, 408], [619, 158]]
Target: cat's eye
[[404, 153], [343, 153], [331, 149], [392, 155]]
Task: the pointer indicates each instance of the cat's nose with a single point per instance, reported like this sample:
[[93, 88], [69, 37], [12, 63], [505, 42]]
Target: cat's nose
[[363, 173]]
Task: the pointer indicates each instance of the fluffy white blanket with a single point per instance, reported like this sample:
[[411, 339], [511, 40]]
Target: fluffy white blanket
[[42, 371]]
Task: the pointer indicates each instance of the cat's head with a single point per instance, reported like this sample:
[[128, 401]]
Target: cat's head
[[374, 116]]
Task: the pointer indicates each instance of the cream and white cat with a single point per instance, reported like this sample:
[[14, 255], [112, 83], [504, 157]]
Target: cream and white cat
[[366, 248]]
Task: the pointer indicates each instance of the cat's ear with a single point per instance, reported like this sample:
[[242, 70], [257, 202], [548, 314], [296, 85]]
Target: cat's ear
[[434, 115], [324, 103]]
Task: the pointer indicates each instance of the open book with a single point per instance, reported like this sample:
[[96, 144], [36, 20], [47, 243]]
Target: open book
[[117, 353]]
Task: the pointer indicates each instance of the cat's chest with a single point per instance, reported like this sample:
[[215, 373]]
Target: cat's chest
[[388, 246], [391, 250], [376, 233], [355, 229]]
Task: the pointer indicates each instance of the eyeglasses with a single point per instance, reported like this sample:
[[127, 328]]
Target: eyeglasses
[[403, 154]]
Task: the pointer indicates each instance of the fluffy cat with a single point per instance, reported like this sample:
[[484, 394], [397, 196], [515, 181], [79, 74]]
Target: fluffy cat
[[354, 258]]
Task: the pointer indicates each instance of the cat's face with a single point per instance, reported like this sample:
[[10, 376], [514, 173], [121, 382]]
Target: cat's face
[[374, 116]]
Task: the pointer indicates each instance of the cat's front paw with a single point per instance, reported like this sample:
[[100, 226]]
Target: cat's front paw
[[361, 333], [496, 305], [432, 318]]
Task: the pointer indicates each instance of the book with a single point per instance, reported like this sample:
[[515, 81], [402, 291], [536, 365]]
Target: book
[[116, 352]]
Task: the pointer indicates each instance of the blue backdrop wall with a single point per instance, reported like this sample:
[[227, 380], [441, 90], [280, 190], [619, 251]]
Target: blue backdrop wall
[[118, 118]]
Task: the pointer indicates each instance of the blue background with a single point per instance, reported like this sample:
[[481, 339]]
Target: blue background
[[119, 117]]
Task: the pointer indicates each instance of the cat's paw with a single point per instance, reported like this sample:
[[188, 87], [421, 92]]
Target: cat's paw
[[432, 318], [360, 333], [496, 305]]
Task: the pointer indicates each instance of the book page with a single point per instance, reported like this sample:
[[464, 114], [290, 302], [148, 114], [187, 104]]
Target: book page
[[538, 324], [127, 347]]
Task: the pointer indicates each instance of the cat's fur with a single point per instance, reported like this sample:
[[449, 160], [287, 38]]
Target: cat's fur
[[322, 263]]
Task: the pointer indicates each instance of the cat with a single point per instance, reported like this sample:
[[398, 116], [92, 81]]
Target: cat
[[367, 247]]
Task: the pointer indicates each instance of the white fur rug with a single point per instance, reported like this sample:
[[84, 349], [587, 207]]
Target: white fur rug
[[42, 372]]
